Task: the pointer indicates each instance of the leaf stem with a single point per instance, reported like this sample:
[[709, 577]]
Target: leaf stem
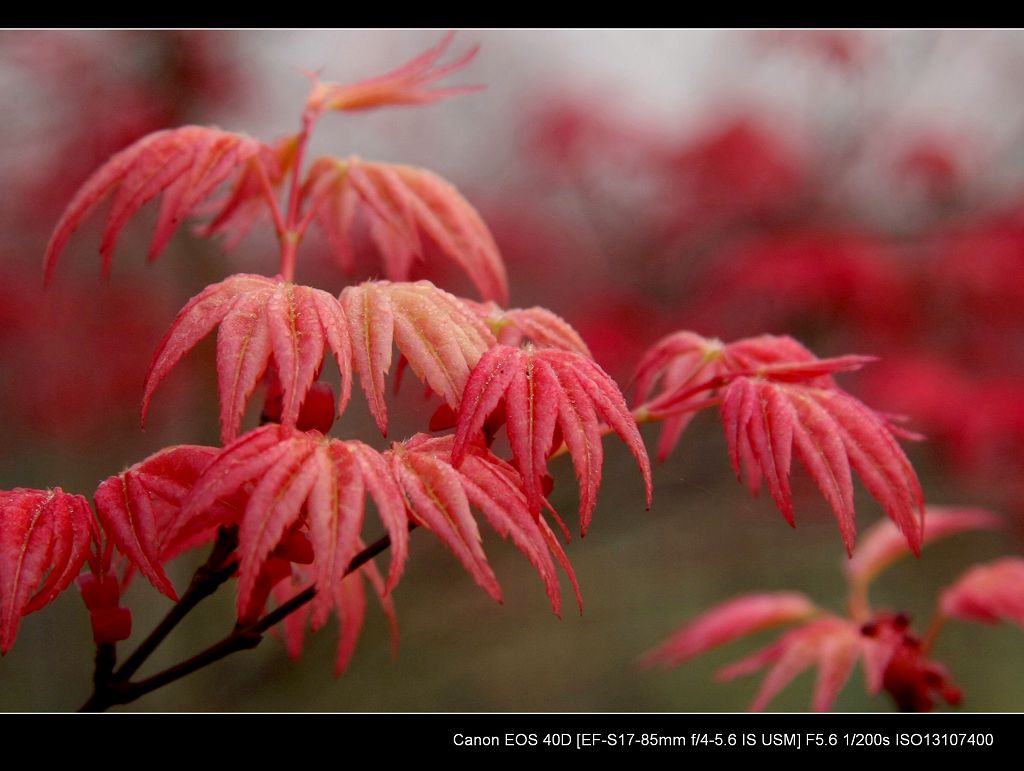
[[268, 192], [292, 234], [931, 634]]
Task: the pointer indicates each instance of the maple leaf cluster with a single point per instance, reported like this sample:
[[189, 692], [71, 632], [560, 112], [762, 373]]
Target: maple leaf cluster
[[296, 497], [293, 499], [893, 657]]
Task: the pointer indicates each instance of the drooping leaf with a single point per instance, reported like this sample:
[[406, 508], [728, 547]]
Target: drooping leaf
[[729, 621], [515, 326], [832, 434], [401, 205], [883, 544], [44, 539], [779, 401], [440, 496], [439, 336], [349, 604], [186, 164], [141, 510], [832, 644], [989, 593], [436, 497], [687, 369], [543, 389], [302, 477], [262, 321], [235, 213], [406, 85]]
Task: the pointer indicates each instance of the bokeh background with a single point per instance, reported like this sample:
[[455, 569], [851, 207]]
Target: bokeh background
[[861, 190]]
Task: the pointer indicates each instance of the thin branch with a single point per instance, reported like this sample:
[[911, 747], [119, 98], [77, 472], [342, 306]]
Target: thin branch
[[271, 197], [119, 690], [207, 579]]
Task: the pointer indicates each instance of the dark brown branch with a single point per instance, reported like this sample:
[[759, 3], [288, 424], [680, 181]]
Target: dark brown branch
[[119, 690], [207, 579]]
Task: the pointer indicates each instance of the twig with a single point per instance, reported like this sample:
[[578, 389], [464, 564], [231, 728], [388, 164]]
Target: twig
[[118, 688]]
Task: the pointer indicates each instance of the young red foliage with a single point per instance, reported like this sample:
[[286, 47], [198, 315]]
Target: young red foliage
[[44, 539], [830, 432], [832, 644], [514, 326], [185, 164], [779, 400], [400, 205], [302, 479], [349, 606], [438, 334], [262, 321], [988, 593], [545, 388], [893, 657], [439, 496], [729, 621], [883, 544], [141, 510], [245, 203], [404, 85]]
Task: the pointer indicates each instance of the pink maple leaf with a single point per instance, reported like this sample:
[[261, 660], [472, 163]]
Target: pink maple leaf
[[778, 401], [186, 164], [141, 510], [402, 86], [262, 321], [246, 200], [540, 326], [545, 388], [891, 656], [44, 539], [439, 335], [401, 205], [883, 543], [989, 593], [349, 600], [302, 479], [440, 495], [729, 621], [831, 643]]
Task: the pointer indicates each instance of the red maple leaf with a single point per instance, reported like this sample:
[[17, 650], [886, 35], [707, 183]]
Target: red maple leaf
[[262, 321], [400, 205], [989, 593], [186, 164], [403, 85], [893, 657], [141, 510], [439, 336], [439, 496], [302, 479], [349, 606], [779, 400], [44, 539], [540, 326], [545, 388], [246, 201]]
